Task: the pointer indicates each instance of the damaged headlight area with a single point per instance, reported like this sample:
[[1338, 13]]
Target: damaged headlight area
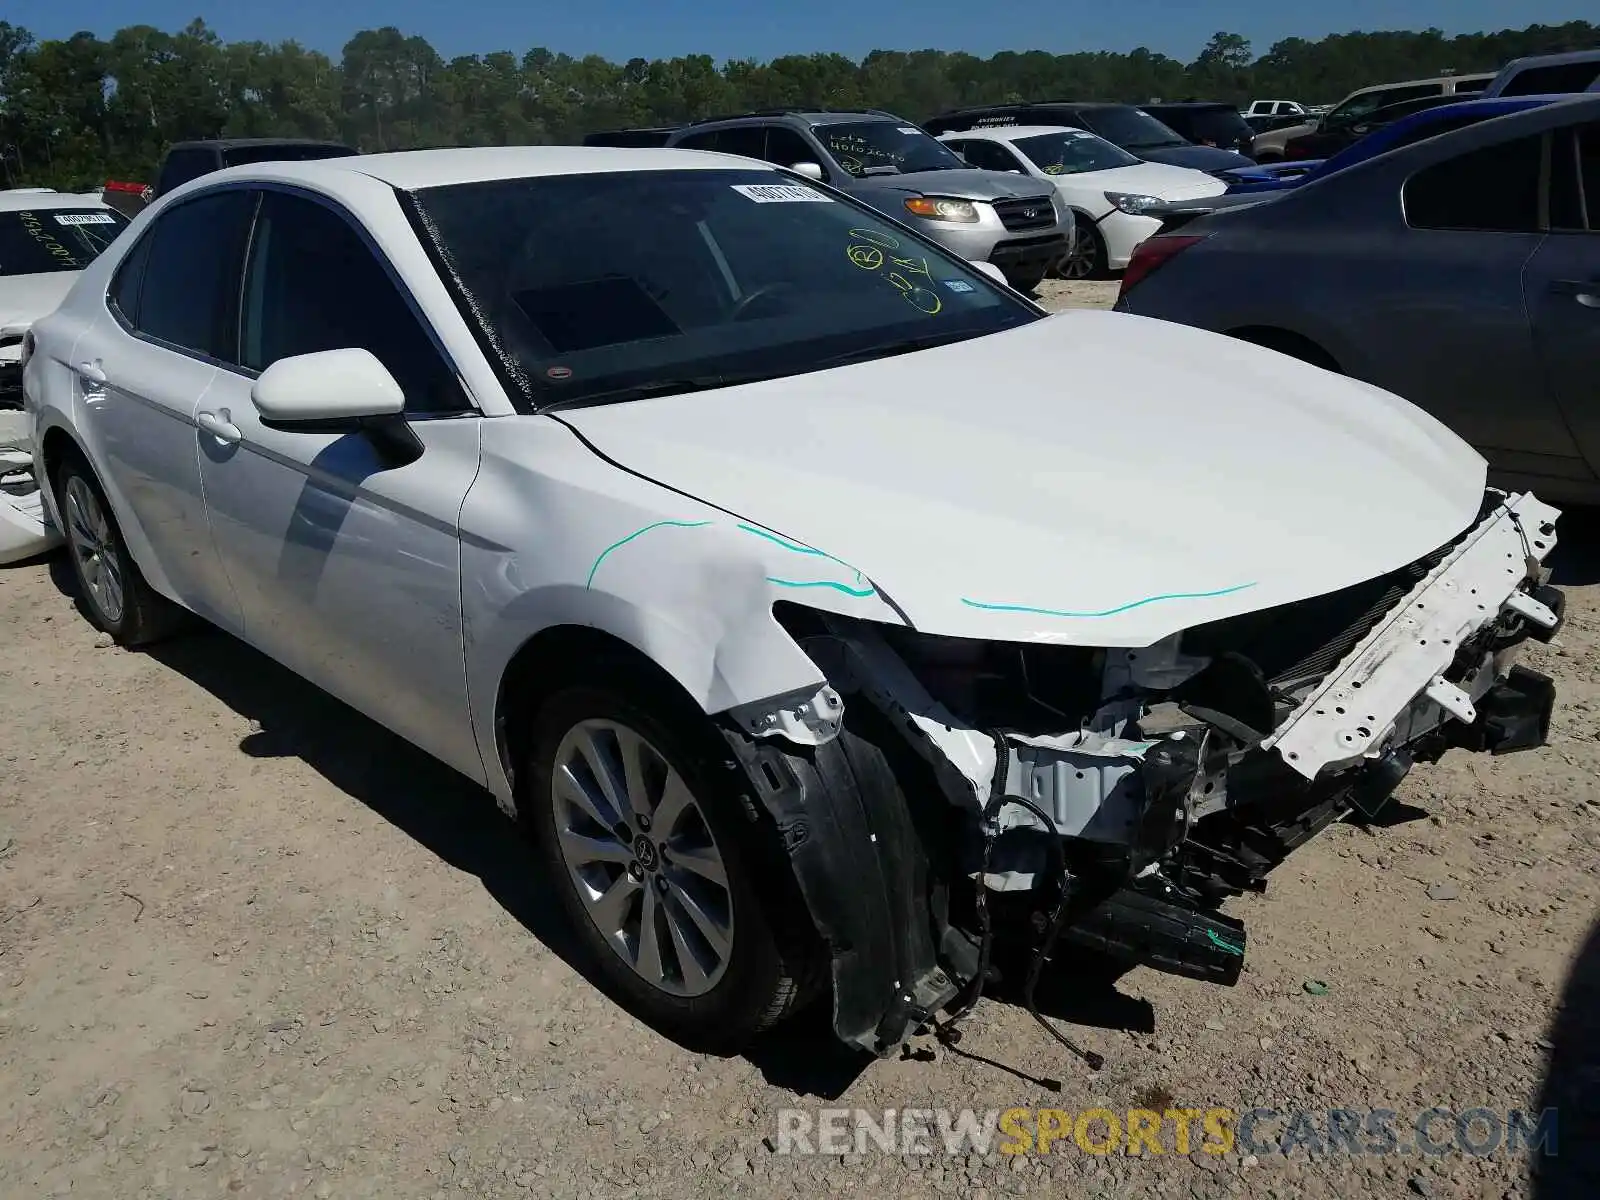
[[944, 800]]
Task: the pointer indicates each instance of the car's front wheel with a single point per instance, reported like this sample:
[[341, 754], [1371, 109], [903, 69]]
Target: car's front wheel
[[1086, 254], [666, 875], [112, 590]]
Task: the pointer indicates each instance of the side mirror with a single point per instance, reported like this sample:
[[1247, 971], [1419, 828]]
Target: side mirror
[[989, 269], [810, 170], [337, 391]]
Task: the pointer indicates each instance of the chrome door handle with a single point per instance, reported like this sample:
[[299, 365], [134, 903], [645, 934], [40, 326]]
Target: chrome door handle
[[219, 427], [91, 373]]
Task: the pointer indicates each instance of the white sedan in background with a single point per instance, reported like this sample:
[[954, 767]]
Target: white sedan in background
[[1106, 187], [587, 471], [46, 239]]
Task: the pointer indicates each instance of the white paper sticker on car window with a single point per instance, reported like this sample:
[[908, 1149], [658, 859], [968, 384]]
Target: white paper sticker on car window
[[780, 193], [88, 218], [908, 129]]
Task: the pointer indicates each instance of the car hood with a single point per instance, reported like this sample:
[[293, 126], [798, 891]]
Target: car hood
[[26, 298], [1201, 158], [1146, 179], [1091, 478], [968, 184]]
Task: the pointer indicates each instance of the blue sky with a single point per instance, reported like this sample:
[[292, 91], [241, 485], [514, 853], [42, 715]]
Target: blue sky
[[621, 29]]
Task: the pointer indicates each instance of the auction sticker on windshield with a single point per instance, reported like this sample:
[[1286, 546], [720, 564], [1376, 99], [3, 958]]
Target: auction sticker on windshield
[[90, 218], [779, 193]]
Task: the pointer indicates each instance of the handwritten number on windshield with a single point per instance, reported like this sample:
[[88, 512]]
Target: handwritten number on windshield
[[867, 253]]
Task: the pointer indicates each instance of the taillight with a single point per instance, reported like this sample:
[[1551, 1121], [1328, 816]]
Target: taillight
[[1152, 253], [118, 185]]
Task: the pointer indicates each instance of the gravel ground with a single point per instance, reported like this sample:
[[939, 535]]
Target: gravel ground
[[251, 944]]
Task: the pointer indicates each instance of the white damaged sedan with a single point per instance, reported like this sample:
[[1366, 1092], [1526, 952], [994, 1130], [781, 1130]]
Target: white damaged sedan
[[791, 581]]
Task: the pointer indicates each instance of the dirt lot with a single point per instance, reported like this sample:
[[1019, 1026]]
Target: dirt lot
[[252, 945]]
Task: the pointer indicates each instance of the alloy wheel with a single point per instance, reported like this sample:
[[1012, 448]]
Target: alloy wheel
[[1079, 260], [93, 549], [642, 858]]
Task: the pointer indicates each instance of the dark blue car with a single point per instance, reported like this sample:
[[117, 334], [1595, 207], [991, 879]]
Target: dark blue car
[[1430, 122]]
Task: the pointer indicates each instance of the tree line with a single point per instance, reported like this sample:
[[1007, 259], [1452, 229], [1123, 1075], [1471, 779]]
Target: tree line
[[78, 110]]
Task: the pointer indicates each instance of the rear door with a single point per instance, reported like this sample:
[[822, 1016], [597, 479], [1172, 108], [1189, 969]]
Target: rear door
[[142, 369], [1563, 285], [1449, 330]]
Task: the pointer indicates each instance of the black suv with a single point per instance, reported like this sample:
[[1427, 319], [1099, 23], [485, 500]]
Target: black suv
[[190, 160], [1206, 123], [1125, 125]]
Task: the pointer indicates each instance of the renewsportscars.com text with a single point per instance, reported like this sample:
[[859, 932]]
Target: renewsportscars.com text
[[1136, 1131]]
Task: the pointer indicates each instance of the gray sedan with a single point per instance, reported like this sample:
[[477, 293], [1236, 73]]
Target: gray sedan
[[1462, 273]]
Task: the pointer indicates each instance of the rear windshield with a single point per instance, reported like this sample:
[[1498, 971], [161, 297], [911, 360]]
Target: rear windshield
[[1218, 126], [237, 156], [1129, 128], [37, 241]]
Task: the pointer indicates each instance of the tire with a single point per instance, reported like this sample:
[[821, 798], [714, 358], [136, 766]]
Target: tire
[[112, 591], [1026, 282], [1086, 257], [702, 994]]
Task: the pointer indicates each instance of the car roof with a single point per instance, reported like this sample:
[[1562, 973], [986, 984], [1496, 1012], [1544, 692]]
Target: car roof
[[412, 169], [1400, 83], [1191, 104], [29, 198], [1000, 133]]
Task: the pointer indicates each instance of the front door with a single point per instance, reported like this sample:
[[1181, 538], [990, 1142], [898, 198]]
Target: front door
[[346, 561]]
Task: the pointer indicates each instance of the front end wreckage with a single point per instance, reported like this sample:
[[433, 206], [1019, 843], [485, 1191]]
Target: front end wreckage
[[940, 797]]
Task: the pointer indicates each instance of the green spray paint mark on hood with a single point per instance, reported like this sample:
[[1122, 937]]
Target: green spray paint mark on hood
[[1107, 612]]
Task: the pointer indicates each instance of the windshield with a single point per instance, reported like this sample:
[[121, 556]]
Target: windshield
[[859, 146], [1072, 153], [34, 241], [587, 287], [1129, 128]]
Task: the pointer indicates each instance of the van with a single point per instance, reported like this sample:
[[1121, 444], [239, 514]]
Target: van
[[1364, 101]]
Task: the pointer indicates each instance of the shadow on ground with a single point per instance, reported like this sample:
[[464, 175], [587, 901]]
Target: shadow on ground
[[1572, 1086], [1576, 560]]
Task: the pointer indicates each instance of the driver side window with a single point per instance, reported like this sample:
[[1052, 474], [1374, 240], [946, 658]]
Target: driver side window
[[312, 283]]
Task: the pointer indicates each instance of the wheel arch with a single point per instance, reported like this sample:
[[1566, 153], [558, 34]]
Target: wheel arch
[[59, 444], [553, 655], [1287, 341]]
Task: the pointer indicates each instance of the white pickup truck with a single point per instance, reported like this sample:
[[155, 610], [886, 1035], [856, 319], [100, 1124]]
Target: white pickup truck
[[1274, 108]]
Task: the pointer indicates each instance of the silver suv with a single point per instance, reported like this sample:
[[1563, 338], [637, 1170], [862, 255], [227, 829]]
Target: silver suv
[[892, 165]]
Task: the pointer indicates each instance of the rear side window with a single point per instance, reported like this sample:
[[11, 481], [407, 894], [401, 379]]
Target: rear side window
[[314, 284], [183, 165], [238, 156], [698, 141], [1494, 189], [786, 147], [1575, 179], [191, 275], [1544, 81], [990, 156]]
